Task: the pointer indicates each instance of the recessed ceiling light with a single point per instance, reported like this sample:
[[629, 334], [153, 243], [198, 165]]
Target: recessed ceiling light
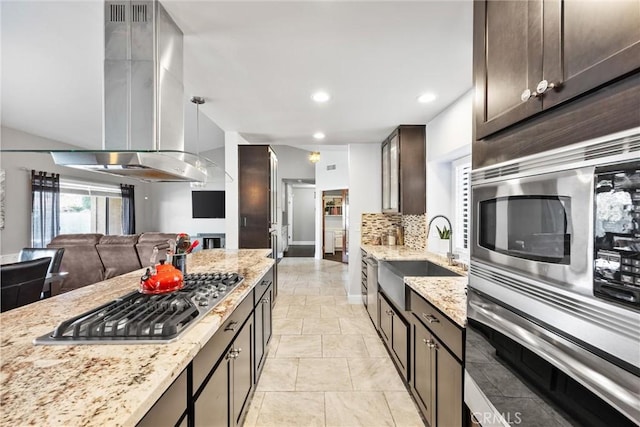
[[321, 96], [426, 97], [319, 135]]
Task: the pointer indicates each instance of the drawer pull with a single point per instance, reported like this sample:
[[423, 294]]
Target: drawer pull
[[389, 312], [430, 318], [231, 327], [265, 301]]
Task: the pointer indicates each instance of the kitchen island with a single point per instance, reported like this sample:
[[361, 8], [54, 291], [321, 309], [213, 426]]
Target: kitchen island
[[115, 385]]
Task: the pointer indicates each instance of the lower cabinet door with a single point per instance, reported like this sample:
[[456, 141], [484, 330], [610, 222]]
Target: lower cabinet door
[[259, 343], [423, 378], [170, 407], [242, 370], [266, 320], [386, 319], [400, 342], [212, 406], [449, 387]]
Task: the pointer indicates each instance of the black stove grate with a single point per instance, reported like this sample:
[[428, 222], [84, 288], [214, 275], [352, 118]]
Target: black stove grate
[[137, 316]]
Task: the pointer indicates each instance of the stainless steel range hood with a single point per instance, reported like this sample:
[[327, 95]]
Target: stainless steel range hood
[[143, 98]]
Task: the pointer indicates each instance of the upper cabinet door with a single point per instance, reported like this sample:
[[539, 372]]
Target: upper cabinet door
[[530, 56], [587, 44], [385, 176], [403, 171], [394, 174], [507, 62]]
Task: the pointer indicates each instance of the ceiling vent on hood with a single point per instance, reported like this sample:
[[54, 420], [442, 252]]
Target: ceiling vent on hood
[[143, 98]]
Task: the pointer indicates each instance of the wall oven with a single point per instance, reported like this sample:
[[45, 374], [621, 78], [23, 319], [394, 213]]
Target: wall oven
[[554, 291]]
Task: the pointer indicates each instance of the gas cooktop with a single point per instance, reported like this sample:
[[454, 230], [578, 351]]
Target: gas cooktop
[[139, 318]]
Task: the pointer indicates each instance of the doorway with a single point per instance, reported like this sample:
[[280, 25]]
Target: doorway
[[301, 213], [335, 225]]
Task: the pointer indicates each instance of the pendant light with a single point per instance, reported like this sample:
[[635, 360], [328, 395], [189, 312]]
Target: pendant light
[[314, 157], [198, 100]]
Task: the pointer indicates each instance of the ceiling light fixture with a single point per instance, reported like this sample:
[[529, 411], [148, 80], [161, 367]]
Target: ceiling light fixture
[[321, 96], [198, 100], [319, 135], [426, 97], [314, 157]]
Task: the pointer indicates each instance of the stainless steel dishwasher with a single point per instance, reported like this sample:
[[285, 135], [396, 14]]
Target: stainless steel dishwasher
[[372, 289]]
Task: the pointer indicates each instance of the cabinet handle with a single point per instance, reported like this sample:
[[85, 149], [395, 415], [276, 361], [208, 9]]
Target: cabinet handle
[[238, 351], [526, 94], [430, 318], [544, 86], [426, 341], [389, 312], [244, 221], [232, 355], [432, 345], [231, 327], [265, 301]]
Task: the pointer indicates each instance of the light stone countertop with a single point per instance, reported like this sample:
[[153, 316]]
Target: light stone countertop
[[114, 385], [448, 294]]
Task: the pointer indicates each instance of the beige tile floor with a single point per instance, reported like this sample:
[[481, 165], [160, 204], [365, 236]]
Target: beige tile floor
[[326, 365]]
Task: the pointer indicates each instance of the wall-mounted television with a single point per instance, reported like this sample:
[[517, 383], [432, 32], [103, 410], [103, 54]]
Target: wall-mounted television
[[207, 204]]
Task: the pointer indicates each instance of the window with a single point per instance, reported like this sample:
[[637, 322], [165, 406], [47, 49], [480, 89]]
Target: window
[[90, 208], [461, 169]]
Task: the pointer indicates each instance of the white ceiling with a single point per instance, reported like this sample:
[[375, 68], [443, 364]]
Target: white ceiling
[[256, 64]]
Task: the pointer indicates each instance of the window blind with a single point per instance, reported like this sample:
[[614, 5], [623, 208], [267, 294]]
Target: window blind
[[462, 170], [89, 188]]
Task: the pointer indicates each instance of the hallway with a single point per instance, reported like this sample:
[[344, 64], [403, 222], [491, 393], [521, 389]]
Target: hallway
[[326, 365]]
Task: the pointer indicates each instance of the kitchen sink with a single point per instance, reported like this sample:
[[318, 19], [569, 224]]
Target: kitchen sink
[[418, 268], [391, 276]]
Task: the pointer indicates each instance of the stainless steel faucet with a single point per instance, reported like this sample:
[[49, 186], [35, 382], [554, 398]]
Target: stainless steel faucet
[[450, 255]]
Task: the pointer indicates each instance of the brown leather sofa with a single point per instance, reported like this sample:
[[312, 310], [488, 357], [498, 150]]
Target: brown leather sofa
[[81, 260], [118, 254], [145, 245], [90, 258]]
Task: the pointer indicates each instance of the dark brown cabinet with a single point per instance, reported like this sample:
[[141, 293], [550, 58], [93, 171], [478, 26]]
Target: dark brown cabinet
[[257, 172], [436, 364], [532, 55], [257, 201], [262, 320], [394, 331], [241, 371], [222, 400], [222, 371], [404, 171], [171, 408]]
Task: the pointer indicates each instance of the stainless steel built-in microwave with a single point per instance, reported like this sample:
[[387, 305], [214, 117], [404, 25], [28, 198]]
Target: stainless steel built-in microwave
[[538, 226]]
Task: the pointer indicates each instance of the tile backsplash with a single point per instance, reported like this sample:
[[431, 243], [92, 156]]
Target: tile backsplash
[[375, 224], [415, 231]]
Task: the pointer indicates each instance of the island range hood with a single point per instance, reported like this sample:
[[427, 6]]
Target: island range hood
[[143, 99]]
